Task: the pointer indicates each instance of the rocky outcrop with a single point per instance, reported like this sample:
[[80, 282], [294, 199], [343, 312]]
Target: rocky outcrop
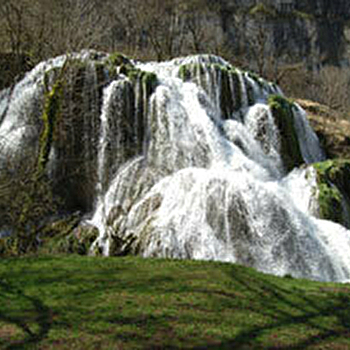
[[296, 30], [333, 192], [282, 111], [331, 128], [76, 142]]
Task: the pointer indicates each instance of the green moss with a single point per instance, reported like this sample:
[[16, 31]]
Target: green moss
[[118, 59], [49, 118], [230, 101], [237, 88], [256, 78], [8, 246], [333, 184], [37, 200], [336, 171], [114, 61], [330, 203], [303, 15], [188, 72], [148, 79], [65, 236], [184, 72], [282, 111], [130, 71], [262, 10], [228, 104]]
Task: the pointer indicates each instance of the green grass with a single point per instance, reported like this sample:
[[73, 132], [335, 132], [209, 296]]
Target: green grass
[[74, 302]]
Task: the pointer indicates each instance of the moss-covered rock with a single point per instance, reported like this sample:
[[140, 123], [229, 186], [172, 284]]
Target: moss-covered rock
[[185, 72], [67, 236], [148, 79], [262, 10], [53, 233], [8, 246], [13, 246], [52, 107], [334, 190], [118, 59], [282, 111], [77, 135], [256, 78], [81, 239], [226, 77], [250, 93]]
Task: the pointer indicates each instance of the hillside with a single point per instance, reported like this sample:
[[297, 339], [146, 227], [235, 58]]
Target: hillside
[[332, 130], [101, 303]]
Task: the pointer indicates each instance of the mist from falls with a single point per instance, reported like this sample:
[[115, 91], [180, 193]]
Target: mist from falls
[[208, 181]]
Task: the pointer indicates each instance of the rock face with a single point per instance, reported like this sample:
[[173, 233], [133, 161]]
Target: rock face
[[189, 158], [300, 29], [333, 190], [71, 141], [282, 110], [330, 18]]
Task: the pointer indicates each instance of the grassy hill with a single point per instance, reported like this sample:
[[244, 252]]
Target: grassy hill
[[73, 302]]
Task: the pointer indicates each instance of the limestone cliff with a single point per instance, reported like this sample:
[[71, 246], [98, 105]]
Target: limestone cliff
[[314, 31]]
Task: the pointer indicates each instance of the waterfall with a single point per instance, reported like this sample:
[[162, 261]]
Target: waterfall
[[309, 144], [195, 168]]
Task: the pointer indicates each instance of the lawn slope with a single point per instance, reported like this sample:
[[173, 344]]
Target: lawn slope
[[74, 302]]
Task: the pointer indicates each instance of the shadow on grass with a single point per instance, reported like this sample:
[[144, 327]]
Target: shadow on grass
[[35, 326], [139, 305], [303, 310]]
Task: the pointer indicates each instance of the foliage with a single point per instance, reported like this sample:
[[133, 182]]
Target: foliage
[[282, 110], [133, 303], [337, 171], [118, 59], [67, 236], [32, 198], [332, 179], [25, 207], [49, 117]]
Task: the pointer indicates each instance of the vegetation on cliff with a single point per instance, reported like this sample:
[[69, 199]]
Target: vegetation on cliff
[[282, 111], [334, 190]]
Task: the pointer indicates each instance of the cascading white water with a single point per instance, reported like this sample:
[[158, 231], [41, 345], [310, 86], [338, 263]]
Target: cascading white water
[[261, 127], [308, 140], [220, 192], [21, 107], [110, 131], [209, 183]]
